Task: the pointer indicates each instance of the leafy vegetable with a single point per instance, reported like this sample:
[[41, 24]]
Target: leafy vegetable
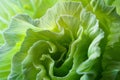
[[60, 40]]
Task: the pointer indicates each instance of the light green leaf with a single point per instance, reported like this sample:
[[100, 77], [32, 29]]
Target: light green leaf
[[53, 51], [65, 40], [110, 61], [14, 36], [35, 8]]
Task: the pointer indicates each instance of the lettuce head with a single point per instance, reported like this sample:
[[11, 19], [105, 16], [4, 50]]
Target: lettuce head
[[59, 40]]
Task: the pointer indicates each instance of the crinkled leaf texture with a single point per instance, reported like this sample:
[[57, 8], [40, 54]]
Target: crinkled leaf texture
[[13, 30], [65, 46], [9, 8], [6, 13], [73, 40], [14, 36], [110, 22]]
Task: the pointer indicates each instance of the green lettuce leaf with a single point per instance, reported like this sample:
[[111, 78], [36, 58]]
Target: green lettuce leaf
[[6, 13], [60, 40], [54, 51], [34, 8], [110, 60], [9, 8], [12, 32], [14, 36], [114, 3]]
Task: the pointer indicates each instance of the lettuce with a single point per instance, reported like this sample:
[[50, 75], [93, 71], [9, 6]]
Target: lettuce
[[60, 40]]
